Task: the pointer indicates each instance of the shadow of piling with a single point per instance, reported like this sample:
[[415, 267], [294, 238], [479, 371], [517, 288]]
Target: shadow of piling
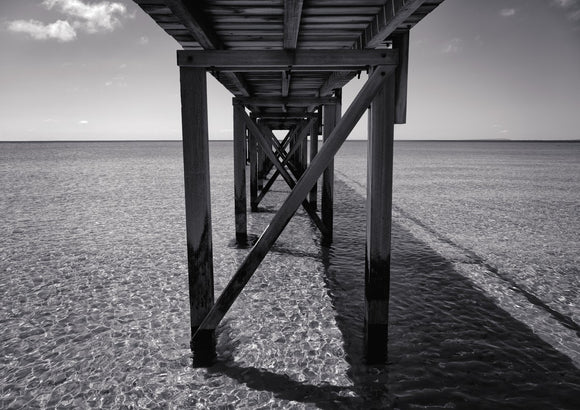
[[449, 345]]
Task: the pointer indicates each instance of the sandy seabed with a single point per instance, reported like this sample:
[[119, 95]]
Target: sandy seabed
[[95, 310]]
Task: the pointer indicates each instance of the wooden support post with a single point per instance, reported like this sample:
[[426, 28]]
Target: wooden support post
[[240, 202], [401, 43], [260, 167], [304, 158], [379, 199], [197, 209], [253, 153], [331, 115], [296, 197], [313, 151]]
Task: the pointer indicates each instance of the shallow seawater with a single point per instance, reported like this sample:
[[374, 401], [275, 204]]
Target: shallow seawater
[[94, 311]]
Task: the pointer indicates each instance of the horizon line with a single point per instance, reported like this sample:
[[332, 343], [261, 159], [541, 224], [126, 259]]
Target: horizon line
[[353, 140]]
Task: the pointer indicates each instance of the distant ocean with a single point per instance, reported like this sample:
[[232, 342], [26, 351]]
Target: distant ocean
[[484, 296]]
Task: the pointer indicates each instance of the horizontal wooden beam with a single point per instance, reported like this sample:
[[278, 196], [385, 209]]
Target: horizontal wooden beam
[[297, 60], [284, 115], [286, 101]]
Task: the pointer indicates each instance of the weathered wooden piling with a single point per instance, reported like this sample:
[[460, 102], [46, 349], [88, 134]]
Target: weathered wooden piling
[[253, 154], [331, 113], [313, 196], [240, 202], [197, 209], [379, 198]]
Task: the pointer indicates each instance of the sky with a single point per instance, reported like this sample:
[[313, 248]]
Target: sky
[[101, 70]]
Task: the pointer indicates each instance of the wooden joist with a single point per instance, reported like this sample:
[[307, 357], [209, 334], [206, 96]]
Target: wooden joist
[[194, 20], [390, 17], [292, 16]]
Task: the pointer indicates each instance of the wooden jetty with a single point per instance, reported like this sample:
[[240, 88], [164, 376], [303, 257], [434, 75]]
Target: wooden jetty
[[285, 62]]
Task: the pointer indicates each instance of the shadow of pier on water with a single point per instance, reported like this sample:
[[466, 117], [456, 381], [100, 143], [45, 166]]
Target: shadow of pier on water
[[449, 345]]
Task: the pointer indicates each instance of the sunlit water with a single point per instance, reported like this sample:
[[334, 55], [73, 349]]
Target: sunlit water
[[94, 309]]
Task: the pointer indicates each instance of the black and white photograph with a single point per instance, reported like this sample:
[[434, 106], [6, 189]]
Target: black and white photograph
[[290, 204]]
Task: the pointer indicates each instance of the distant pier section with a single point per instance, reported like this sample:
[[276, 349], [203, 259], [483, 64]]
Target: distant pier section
[[285, 63]]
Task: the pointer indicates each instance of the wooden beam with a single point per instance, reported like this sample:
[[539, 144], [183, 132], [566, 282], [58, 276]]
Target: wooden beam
[[299, 138], [284, 115], [335, 81], [268, 186], [296, 197], [331, 115], [197, 209], [287, 101], [391, 16], [195, 22], [378, 243], [313, 196], [401, 43], [263, 142], [292, 16], [286, 78], [297, 60], [253, 154], [239, 82], [240, 202]]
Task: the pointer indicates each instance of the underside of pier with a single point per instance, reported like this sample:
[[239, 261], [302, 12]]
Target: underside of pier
[[285, 63]]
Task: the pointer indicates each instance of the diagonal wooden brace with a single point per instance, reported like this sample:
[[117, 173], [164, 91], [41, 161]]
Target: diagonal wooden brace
[[287, 210], [278, 150], [285, 160], [287, 177]]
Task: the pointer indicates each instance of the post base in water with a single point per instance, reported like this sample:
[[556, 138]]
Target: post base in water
[[203, 349], [376, 343]]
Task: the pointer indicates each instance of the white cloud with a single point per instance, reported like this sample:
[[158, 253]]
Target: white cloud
[[575, 15], [94, 17], [143, 40], [507, 12], [90, 18], [455, 45], [59, 30], [83, 122], [572, 8], [564, 3]]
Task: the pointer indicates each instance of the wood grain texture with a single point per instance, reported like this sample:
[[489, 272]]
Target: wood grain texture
[[292, 16], [379, 204], [197, 207]]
